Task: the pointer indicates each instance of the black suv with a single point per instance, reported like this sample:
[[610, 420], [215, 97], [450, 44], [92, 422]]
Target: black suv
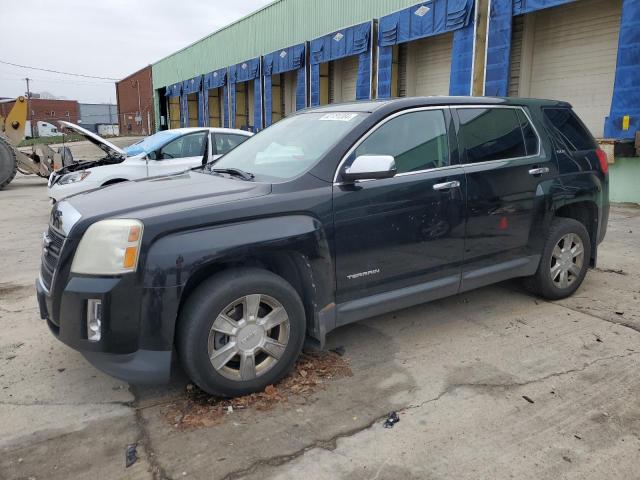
[[329, 216]]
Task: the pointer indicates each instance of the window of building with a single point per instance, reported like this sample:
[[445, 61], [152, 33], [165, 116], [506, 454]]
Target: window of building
[[491, 134]]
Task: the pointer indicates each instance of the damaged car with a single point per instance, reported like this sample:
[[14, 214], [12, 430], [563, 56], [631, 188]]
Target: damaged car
[[166, 152]]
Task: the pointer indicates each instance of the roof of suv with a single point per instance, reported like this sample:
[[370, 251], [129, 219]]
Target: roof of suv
[[369, 106]]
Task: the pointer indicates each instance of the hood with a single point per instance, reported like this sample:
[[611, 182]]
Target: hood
[[160, 195], [108, 147]]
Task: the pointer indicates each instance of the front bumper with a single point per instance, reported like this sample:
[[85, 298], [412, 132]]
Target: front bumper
[[125, 351]]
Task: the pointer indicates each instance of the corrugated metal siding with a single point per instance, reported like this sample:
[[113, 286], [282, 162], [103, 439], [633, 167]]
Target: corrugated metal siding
[[402, 70], [349, 78], [295, 21], [574, 57], [433, 64], [516, 56]]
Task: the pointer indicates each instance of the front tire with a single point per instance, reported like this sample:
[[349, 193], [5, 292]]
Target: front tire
[[564, 261], [240, 331]]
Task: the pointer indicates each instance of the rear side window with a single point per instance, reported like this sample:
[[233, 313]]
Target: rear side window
[[569, 129], [417, 141], [227, 142], [491, 134]]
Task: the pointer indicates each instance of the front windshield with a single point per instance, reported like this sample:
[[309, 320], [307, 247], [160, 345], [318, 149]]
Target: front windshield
[[152, 143], [291, 146]]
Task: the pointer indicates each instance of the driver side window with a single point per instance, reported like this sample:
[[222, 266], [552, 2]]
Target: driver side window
[[191, 145], [417, 141]]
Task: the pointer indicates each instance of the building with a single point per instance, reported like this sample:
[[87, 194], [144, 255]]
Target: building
[[297, 53], [44, 110], [135, 103], [92, 115]]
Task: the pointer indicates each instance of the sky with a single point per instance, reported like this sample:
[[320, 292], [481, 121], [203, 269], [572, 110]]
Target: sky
[[105, 38]]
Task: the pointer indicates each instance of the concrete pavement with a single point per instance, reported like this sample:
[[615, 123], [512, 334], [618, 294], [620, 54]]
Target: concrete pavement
[[457, 371]]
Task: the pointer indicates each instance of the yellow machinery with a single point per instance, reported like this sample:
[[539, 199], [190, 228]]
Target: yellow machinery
[[41, 161]]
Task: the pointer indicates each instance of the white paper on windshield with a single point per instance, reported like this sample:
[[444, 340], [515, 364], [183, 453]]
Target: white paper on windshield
[[339, 117]]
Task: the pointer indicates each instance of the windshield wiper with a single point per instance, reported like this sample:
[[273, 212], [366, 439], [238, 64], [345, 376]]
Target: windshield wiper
[[235, 171]]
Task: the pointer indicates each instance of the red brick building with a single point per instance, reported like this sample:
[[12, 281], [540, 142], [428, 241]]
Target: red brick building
[[135, 103], [47, 110]]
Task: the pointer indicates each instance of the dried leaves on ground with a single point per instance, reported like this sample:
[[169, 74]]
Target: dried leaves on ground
[[311, 373]]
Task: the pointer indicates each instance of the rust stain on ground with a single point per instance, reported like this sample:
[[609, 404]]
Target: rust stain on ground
[[311, 373]]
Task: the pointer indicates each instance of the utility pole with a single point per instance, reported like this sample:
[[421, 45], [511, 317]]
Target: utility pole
[[33, 129], [139, 115]]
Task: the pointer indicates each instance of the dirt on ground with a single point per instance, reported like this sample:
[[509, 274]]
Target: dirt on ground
[[312, 372]]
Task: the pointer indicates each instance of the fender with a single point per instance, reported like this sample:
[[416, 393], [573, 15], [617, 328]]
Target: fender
[[172, 261]]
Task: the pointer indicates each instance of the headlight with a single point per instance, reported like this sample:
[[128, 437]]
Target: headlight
[[73, 177], [109, 247]]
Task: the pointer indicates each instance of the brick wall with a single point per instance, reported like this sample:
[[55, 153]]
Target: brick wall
[[129, 108]]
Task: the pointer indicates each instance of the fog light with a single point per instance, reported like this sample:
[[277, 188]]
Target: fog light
[[94, 320]]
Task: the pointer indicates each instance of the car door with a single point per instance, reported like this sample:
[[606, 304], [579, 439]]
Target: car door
[[399, 241], [225, 142], [508, 177], [182, 153]]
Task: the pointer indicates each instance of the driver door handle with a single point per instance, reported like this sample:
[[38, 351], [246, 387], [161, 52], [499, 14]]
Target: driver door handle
[[538, 171], [446, 185]]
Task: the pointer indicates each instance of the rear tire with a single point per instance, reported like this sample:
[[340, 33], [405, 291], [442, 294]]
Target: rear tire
[[240, 331], [564, 261], [8, 164]]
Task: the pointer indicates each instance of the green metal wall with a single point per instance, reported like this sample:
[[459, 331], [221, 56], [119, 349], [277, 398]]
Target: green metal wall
[[278, 25], [624, 176]]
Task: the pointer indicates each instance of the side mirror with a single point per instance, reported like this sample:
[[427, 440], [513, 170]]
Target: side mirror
[[368, 167]]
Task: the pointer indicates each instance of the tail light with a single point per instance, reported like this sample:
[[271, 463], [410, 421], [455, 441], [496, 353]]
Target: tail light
[[604, 163]]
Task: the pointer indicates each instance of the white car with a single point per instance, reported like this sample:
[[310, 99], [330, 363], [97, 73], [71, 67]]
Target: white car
[[166, 152]]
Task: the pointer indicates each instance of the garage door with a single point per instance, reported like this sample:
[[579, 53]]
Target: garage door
[[432, 64], [345, 73], [573, 52]]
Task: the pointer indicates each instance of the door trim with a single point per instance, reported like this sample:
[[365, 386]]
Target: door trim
[[480, 277], [385, 302]]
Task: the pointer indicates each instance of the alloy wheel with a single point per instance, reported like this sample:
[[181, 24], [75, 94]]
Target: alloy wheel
[[567, 260], [248, 337]]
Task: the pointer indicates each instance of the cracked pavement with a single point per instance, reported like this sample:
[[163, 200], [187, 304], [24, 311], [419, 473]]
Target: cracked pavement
[[457, 371]]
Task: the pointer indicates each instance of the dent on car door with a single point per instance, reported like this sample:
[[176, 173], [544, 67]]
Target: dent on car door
[[394, 234], [508, 177], [180, 154]]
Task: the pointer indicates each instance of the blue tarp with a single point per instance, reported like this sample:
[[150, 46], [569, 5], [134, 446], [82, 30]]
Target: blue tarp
[[245, 72], [285, 60], [184, 111], [343, 43], [192, 85], [626, 89], [498, 48], [174, 90], [215, 79], [528, 6], [461, 62], [424, 20], [419, 21]]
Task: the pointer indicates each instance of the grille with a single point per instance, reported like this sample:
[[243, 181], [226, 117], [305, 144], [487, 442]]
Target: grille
[[50, 256]]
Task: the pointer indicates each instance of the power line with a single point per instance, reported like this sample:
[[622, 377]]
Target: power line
[[58, 72]]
